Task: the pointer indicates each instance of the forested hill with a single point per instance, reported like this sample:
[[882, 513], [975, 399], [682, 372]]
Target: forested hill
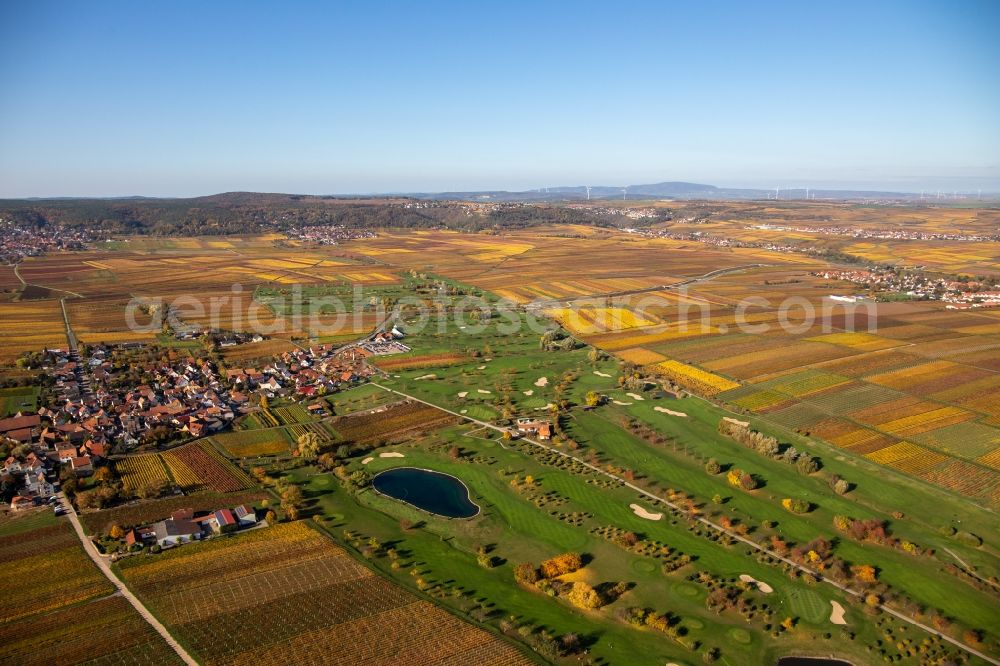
[[243, 212]]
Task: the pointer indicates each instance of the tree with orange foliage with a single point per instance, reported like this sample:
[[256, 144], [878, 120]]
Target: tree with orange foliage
[[864, 573], [561, 564]]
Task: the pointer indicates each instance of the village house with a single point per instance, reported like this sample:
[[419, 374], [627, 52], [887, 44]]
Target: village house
[[222, 521], [20, 428], [183, 526], [534, 427], [246, 515], [140, 535], [82, 466], [173, 532]]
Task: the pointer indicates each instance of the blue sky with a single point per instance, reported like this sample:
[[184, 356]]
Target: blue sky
[[190, 98]]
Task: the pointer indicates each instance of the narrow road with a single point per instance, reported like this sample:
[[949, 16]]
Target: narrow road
[[17, 272], [70, 336], [105, 568], [708, 523]]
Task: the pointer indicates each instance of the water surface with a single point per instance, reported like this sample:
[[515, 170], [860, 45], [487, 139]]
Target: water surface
[[434, 492]]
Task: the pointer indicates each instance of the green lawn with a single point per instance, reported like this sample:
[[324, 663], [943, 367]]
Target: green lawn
[[34, 519], [18, 399]]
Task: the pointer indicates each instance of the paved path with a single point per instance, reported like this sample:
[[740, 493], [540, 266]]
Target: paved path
[[70, 336], [708, 523], [102, 564]]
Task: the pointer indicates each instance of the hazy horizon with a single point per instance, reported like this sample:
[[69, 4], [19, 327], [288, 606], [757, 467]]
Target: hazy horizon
[[114, 99], [946, 191]]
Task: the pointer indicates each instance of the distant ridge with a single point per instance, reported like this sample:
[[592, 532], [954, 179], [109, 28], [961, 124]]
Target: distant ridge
[[665, 190], [680, 190]]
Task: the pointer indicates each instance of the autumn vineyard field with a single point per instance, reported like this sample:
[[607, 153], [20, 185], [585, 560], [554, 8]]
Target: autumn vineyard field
[[137, 472], [390, 423], [66, 615], [200, 465], [318, 604]]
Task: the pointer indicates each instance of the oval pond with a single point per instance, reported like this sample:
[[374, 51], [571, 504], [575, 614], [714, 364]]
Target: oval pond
[[434, 492]]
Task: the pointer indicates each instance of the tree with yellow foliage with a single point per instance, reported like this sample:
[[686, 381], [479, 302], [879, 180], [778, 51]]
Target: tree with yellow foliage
[[582, 595], [561, 564]]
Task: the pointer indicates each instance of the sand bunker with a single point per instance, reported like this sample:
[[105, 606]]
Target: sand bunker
[[391, 454], [482, 367], [542, 381], [601, 374], [619, 402], [762, 586], [464, 411], [732, 420], [484, 391], [837, 613], [529, 392], [643, 513], [430, 376], [367, 460], [462, 394], [635, 396], [546, 407], [664, 410]]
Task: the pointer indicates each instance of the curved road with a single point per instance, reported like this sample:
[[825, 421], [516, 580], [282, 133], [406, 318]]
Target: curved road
[[102, 564], [708, 523]]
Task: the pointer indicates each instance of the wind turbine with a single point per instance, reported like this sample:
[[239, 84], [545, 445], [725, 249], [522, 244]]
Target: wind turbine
[[777, 192], [624, 193], [807, 193], [588, 192]]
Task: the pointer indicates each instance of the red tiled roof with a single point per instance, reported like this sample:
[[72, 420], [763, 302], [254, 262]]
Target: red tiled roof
[[20, 423]]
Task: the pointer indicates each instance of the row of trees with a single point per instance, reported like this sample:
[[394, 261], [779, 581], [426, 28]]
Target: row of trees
[[768, 446]]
